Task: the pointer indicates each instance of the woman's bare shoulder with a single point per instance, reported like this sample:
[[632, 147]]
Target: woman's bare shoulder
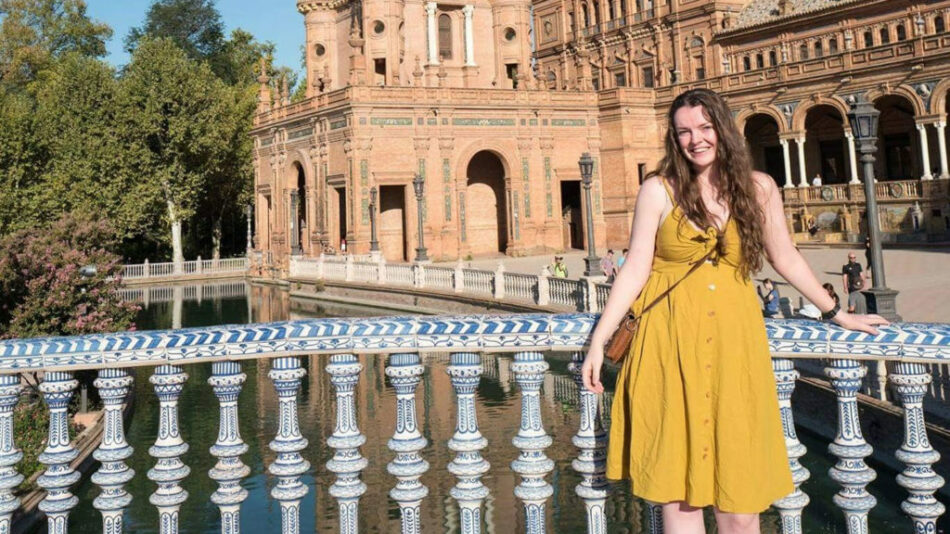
[[764, 184]]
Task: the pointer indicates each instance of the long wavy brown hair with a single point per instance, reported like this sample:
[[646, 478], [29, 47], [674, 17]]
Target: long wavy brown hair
[[736, 185]]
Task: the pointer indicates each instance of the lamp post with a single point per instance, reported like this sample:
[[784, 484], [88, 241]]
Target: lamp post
[[864, 118], [248, 213], [592, 262], [373, 243], [418, 185]]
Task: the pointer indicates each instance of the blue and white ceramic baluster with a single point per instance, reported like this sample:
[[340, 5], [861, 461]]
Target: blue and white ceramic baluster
[[169, 470], [227, 380], [918, 478], [849, 446], [57, 389], [791, 506], [9, 454], [591, 461], [405, 372], [289, 464], [468, 465], [114, 386], [347, 463], [532, 464]]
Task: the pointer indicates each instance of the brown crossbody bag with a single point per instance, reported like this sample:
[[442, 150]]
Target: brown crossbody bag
[[619, 344]]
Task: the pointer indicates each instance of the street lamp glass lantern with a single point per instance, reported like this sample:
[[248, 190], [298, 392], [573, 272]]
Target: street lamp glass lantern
[[372, 195], [417, 186], [586, 164], [864, 118]]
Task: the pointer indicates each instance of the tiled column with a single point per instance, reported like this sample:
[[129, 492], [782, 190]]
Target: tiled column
[[924, 151], [788, 162], [433, 33], [852, 158], [942, 141], [468, 11], [10, 455]]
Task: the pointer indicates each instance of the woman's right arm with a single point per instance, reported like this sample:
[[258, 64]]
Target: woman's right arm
[[651, 202]]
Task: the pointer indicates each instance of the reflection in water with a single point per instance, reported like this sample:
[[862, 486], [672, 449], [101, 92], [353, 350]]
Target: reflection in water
[[498, 408]]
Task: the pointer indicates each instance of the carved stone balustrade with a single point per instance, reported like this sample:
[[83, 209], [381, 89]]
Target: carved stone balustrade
[[470, 344]]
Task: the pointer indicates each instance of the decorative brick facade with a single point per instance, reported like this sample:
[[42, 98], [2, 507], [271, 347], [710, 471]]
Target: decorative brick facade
[[450, 91]]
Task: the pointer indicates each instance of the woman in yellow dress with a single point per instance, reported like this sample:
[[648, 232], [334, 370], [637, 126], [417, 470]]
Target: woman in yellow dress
[[695, 419]]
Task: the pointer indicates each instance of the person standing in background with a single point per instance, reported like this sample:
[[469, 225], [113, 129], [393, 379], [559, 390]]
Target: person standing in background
[[607, 265], [770, 298], [622, 258], [853, 281]]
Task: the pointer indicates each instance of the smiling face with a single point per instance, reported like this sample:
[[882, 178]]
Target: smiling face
[[696, 136]]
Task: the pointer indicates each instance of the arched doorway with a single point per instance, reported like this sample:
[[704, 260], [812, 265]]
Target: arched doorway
[[898, 153], [487, 222], [826, 149], [298, 216], [761, 133]]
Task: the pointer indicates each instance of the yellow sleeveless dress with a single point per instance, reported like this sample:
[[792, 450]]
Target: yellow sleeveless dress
[[695, 416]]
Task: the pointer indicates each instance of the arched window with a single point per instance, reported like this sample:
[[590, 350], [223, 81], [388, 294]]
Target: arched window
[[445, 36], [803, 52], [585, 19], [832, 46], [868, 39], [746, 63], [939, 26], [759, 61], [818, 51], [901, 32], [596, 14], [623, 9], [885, 35], [773, 59]]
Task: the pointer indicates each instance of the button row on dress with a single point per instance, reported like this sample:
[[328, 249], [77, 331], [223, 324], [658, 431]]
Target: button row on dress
[[712, 287]]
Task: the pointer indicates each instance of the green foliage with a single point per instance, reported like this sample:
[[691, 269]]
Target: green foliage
[[30, 424], [193, 25], [45, 292], [170, 115], [33, 33]]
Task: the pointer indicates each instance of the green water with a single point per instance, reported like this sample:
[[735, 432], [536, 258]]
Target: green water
[[498, 406]]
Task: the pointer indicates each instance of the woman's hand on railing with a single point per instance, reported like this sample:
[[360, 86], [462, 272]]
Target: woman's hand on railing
[[860, 323], [590, 371]]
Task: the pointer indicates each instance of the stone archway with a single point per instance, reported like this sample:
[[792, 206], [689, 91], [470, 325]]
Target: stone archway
[[761, 133], [487, 220], [298, 230], [898, 148], [826, 149]]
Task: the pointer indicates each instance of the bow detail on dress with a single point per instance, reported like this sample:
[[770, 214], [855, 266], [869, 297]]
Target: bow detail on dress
[[714, 244]]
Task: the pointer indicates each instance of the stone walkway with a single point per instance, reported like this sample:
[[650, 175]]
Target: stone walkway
[[921, 275]]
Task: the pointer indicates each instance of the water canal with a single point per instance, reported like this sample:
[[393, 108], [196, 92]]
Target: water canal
[[498, 408]]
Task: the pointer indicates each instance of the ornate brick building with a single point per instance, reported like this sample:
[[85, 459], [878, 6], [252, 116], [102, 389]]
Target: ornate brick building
[[492, 102]]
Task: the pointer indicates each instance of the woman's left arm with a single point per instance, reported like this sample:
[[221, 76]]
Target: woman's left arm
[[789, 263]]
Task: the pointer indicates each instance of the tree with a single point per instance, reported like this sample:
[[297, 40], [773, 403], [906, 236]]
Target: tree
[[193, 25], [84, 160], [33, 33], [18, 157], [171, 112]]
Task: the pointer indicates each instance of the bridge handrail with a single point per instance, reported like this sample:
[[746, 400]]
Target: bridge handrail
[[795, 338], [138, 271], [528, 336]]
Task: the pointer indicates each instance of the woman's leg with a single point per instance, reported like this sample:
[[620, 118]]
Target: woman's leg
[[681, 518], [737, 523]]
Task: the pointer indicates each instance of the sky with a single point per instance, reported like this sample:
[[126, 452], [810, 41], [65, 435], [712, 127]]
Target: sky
[[276, 21]]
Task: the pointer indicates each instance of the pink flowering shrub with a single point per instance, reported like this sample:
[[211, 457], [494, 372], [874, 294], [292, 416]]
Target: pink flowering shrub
[[42, 290]]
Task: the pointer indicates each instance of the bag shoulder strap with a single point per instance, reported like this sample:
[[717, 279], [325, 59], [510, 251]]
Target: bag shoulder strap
[[691, 270]]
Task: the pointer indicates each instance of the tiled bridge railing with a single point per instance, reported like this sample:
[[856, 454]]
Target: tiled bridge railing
[[541, 289], [529, 337], [141, 271]]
